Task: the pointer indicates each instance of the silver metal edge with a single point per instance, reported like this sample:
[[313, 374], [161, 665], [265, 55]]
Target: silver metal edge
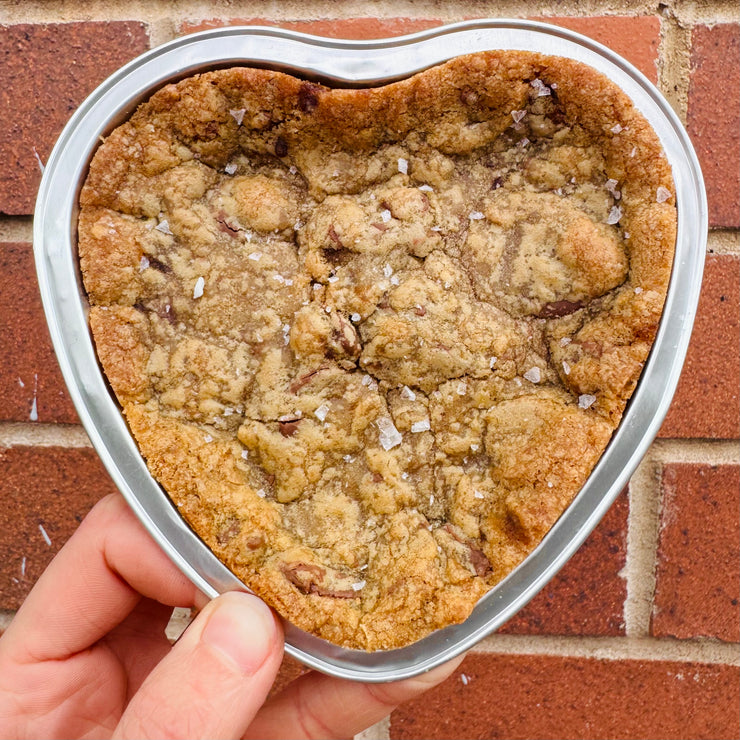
[[72, 342]]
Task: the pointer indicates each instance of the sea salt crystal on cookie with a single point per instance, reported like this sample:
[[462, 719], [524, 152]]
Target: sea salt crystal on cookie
[[199, 285], [540, 88], [614, 215], [533, 375], [663, 194], [238, 115], [389, 436], [420, 426], [518, 115], [586, 400]]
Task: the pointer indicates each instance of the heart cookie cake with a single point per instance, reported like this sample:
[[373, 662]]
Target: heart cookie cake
[[371, 342]]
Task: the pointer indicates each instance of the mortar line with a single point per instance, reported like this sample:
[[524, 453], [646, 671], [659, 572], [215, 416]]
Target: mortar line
[[148, 12], [16, 229], [379, 731], [695, 650], [724, 241], [642, 546], [674, 61], [38, 11], [21, 434], [698, 451], [6, 617]]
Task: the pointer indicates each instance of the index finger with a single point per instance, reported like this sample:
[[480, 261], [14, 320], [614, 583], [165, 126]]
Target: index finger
[[93, 583]]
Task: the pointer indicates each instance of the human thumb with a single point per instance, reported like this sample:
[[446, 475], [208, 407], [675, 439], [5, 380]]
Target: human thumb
[[214, 679]]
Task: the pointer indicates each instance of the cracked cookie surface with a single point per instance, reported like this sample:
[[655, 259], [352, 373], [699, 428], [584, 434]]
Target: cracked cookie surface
[[372, 342]]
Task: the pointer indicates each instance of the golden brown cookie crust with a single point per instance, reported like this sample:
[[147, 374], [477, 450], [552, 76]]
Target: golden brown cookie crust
[[372, 342]]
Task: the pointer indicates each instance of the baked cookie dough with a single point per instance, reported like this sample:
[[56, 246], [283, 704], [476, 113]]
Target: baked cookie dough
[[372, 342]]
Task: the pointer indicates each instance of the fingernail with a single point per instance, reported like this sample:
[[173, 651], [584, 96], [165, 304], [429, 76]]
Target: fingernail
[[242, 628]]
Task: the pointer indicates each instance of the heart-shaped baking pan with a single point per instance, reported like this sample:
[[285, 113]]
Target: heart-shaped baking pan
[[355, 64]]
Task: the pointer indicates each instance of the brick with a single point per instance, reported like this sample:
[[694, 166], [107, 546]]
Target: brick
[[707, 403], [46, 71], [344, 28], [587, 596], [697, 580], [636, 38], [541, 696], [49, 487], [713, 117], [29, 366]]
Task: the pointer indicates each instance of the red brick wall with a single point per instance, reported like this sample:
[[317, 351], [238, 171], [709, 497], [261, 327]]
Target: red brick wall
[[638, 635]]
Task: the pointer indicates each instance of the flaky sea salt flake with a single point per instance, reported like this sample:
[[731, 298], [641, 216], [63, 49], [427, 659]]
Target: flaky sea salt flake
[[426, 188], [385, 214], [477, 494], [164, 227], [407, 394], [321, 412], [230, 168], [533, 375], [614, 215], [540, 88], [143, 263], [420, 426], [517, 115], [662, 194], [389, 436], [199, 285], [475, 216], [355, 318], [238, 115], [403, 166], [359, 585], [611, 186], [586, 400], [616, 128]]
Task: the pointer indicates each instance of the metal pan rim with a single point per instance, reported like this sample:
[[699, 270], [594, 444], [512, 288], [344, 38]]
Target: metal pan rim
[[357, 63]]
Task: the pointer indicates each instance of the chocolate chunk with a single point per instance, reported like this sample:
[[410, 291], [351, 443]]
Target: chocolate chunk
[[159, 266], [332, 234], [281, 147], [556, 309], [304, 379], [288, 427], [308, 97], [311, 579]]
